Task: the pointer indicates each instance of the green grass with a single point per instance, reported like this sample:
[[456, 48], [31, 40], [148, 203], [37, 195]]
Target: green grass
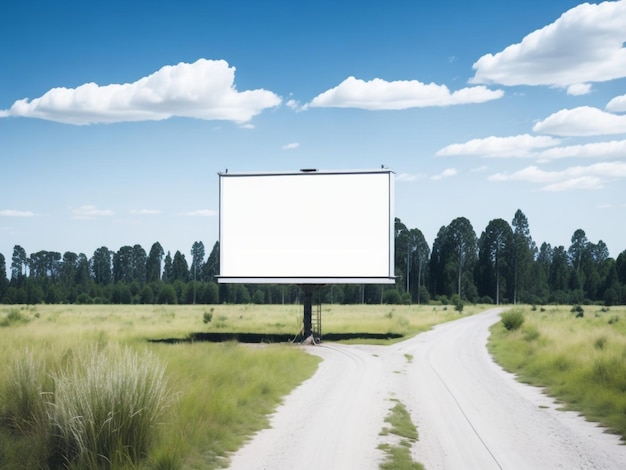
[[581, 361], [217, 395], [398, 456]]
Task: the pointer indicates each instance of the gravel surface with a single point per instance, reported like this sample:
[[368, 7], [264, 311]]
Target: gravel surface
[[470, 413]]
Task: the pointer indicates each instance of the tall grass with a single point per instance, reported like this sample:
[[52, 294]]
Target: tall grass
[[579, 360], [97, 410], [106, 408]]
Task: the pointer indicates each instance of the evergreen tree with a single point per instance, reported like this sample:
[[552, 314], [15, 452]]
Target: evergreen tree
[[522, 254], [168, 272], [101, 266], [4, 281], [19, 263], [211, 269], [180, 269], [197, 259], [153, 263]]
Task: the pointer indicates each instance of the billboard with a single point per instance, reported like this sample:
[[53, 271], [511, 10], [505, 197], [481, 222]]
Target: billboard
[[307, 227]]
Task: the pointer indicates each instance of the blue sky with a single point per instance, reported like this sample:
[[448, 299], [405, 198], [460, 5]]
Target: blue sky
[[115, 117]]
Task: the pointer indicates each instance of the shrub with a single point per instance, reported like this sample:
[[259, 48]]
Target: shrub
[[457, 302], [392, 296], [83, 298], [208, 316], [512, 319], [578, 310]]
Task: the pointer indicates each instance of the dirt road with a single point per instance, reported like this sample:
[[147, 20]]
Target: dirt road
[[469, 412]]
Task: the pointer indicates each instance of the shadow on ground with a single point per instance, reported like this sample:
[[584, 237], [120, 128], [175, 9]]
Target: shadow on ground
[[270, 338]]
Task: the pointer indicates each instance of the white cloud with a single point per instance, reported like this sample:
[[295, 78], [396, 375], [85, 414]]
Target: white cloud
[[447, 173], [294, 104], [617, 104], [90, 212], [479, 169], [574, 178], [604, 150], [378, 94], [579, 89], [16, 213], [584, 45], [201, 213], [582, 121], [145, 212], [491, 147], [291, 146], [408, 177], [204, 90]]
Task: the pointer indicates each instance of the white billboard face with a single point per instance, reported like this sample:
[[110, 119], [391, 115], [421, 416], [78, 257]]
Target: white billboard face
[[307, 227]]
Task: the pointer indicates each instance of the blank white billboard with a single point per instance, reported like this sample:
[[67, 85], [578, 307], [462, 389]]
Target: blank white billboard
[[307, 227]]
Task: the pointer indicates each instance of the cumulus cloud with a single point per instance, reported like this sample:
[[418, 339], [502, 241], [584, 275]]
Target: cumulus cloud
[[583, 46], [582, 121], [201, 213], [291, 146], [16, 213], [579, 89], [447, 173], [617, 104], [580, 177], [203, 90], [523, 145], [378, 94], [87, 212]]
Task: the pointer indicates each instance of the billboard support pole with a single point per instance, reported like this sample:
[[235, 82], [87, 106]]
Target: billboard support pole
[[308, 312], [311, 323]]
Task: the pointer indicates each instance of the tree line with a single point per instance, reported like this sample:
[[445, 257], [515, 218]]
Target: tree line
[[503, 265]]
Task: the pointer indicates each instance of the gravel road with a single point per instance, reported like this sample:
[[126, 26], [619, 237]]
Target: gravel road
[[469, 412]]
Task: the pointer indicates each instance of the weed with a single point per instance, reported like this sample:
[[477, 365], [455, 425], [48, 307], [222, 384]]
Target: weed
[[399, 456]]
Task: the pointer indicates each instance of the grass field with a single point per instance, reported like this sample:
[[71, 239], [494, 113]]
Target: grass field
[[70, 374], [579, 357]]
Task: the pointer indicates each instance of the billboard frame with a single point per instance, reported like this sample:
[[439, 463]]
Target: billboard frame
[[386, 265]]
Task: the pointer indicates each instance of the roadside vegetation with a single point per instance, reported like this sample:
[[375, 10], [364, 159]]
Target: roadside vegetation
[[578, 354], [81, 386], [398, 454]]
